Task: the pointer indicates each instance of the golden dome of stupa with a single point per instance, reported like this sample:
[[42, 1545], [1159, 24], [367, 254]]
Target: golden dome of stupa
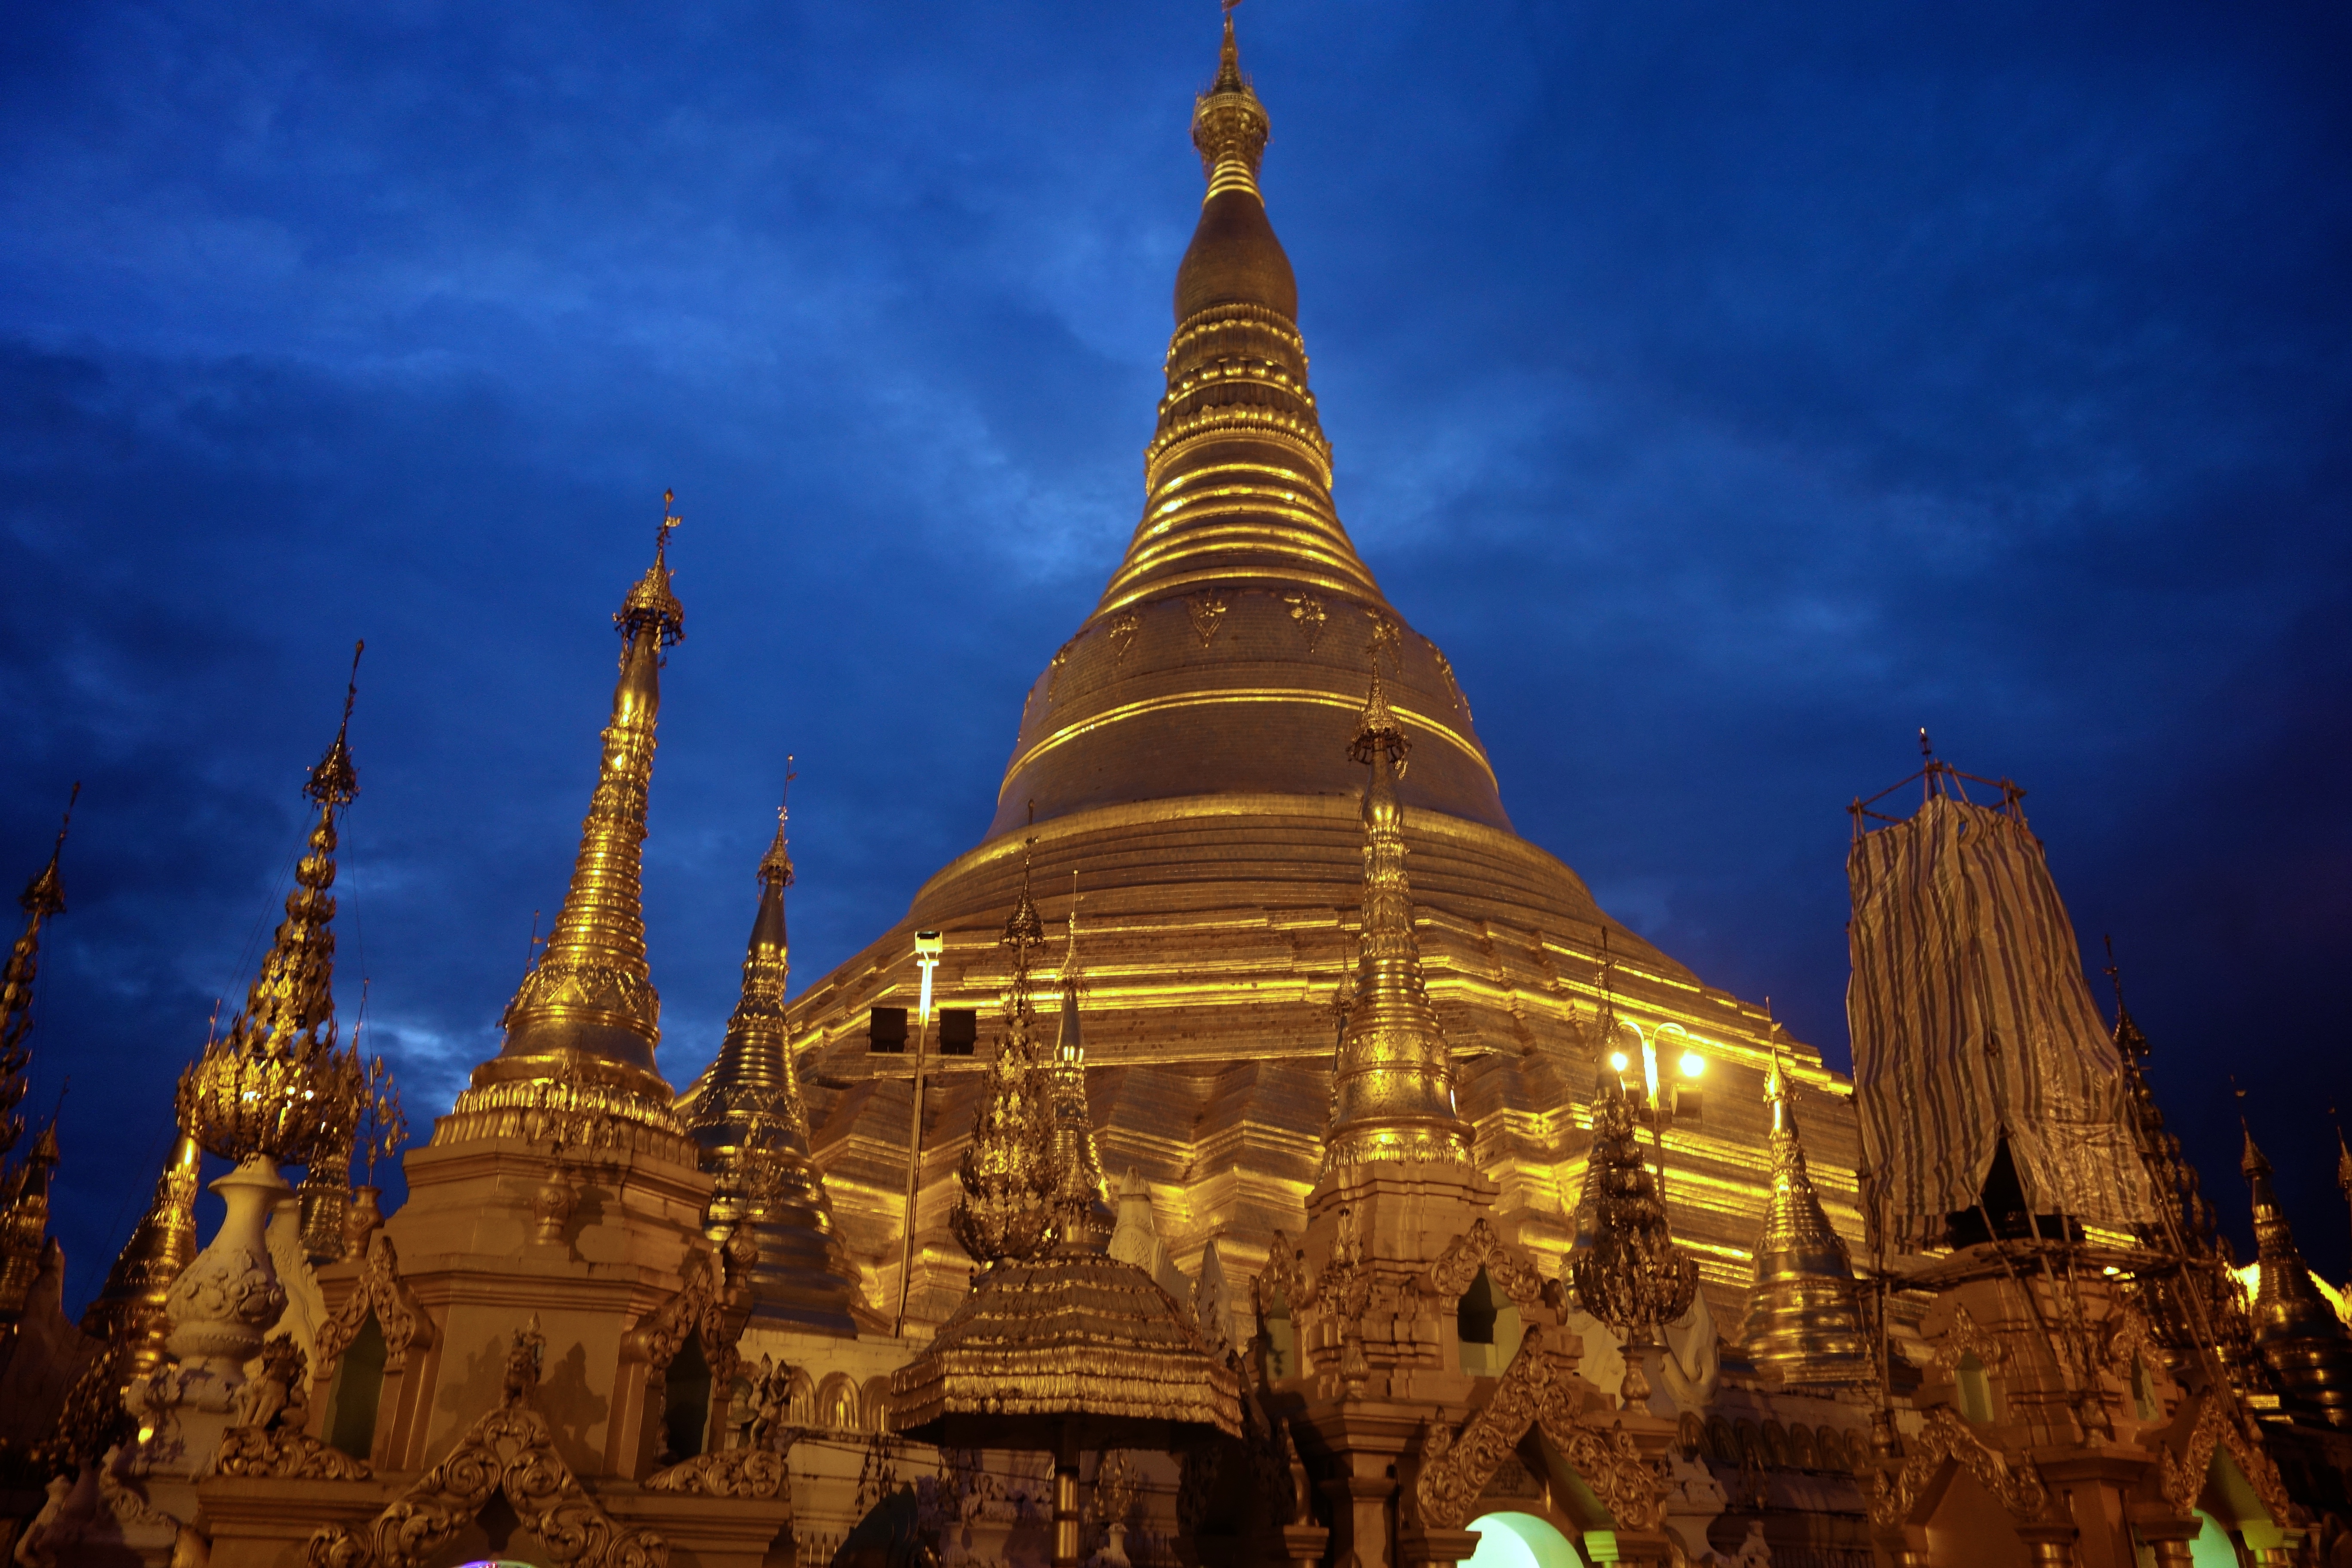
[[1186, 754]]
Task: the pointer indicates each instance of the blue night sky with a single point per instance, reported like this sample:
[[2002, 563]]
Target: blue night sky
[[1728, 390]]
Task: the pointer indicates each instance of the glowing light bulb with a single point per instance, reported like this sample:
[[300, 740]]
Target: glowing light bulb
[[1620, 1060], [1694, 1064]]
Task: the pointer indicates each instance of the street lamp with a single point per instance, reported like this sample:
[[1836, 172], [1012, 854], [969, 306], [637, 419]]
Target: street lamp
[[929, 946], [1690, 1064]]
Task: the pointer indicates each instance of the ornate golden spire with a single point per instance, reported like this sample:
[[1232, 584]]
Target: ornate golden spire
[[1229, 125], [1392, 1087], [44, 896], [25, 1222], [2298, 1332], [1628, 1273], [1802, 1319], [128, 1312], [273, 1084], [1082, 1215], [585, 1022], [1008, 1174], [753, 1131]]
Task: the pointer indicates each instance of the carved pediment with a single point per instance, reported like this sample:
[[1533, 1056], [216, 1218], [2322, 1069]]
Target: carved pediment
[[510, 1451], [2182, 1469], [1948, 1438], [383, 1293], [1965, 1337], [1537, 1389], [1508, 1265], [701, 1308], [735, 1472]]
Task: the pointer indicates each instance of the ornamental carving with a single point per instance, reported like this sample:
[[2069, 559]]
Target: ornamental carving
[[222, 1304], [1445, 668], [1123, 628], [1386, 639], [384, 1295], [1947, 1438], [1053, 671], [2181, 1479], [280, 1455], [1507, 1265], [1539, 1390], [510, 1451], [1307, 611], [1208, 611], [1965, 1337], [734, 1472]]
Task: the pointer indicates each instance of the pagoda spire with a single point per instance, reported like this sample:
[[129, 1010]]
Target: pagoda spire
[[1008, 1174], [752, 1128], [1393, 1086], [25, 1222], [273, 1083], [1802, 1318], [585, 1024], [2297, 1331], [128, 1311], [42, 897], [1082, 1215]]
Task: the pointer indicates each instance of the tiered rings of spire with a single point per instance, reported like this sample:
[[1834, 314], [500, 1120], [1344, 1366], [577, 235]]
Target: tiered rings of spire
[[1803, 1320], [581, 1030], [44, 897]]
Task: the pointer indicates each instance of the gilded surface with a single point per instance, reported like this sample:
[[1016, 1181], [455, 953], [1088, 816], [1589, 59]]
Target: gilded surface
[[1965, 1337], [1539, 1389], [1947, 1438], [2297, 1331], [587, 1015]]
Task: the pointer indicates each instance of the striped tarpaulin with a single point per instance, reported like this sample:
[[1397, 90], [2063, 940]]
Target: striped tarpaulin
[[1971, 1022]]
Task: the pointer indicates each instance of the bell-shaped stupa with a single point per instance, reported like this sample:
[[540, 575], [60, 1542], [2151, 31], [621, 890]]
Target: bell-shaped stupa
[[1186, 753]]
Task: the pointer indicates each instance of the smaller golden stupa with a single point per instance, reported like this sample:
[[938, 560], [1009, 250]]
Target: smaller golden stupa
[[2297, 1330], [1802, 1318]]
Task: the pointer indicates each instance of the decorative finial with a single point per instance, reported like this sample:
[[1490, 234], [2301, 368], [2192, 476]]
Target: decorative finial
[[335, 783], [1229, 125], [651, 605], [1926, 747], [778, 861]]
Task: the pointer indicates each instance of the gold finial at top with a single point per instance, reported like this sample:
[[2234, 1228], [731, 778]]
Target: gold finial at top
[[44, 896], [776, 865], [650, 604], [335, 782], [1229, 125]]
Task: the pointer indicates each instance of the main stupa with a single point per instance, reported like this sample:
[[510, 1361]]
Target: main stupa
[[1185, 755]]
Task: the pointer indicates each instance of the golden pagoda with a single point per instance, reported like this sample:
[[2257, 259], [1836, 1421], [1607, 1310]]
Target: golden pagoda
[[1802, 1319], [2295, 1329], [1185, 753], [581, 1030], [746, 1114], [25, 1186], [128, 1310]]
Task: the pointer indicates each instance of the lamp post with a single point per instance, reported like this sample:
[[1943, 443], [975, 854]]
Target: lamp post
[[929, 944], [1690, 1064]]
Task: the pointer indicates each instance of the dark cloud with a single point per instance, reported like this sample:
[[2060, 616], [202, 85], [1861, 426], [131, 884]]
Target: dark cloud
[[1729, 393]]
